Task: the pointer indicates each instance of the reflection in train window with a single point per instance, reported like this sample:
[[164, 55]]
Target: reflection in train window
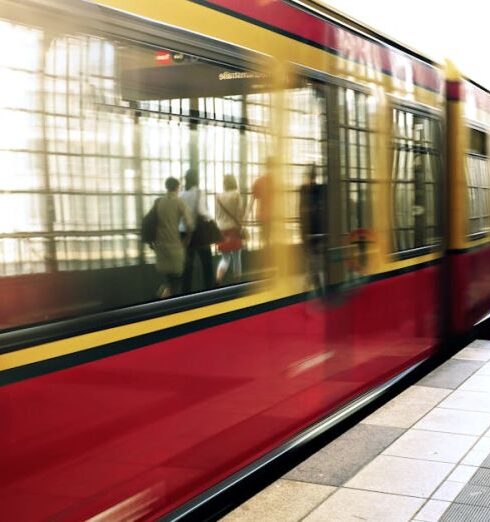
[[96, 127], [305, 144], [478, 180], [415, 180]]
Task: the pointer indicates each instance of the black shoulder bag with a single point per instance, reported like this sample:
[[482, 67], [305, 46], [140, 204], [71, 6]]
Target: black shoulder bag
[[206, 231], [149, 225]]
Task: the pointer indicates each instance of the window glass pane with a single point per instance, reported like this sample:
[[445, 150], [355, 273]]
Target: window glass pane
[[478, 182], [355, 155], [415, 176], [303, 176], [305, 143]]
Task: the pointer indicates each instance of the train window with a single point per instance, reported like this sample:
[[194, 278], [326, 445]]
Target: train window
[[415, 181], [355, 162], [96, 126], [478, 180]]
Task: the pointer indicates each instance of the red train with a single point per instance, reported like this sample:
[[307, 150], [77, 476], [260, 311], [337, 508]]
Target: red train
[[119, 405]]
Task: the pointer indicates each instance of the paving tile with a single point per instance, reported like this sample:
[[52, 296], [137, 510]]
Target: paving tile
[[455, 421], [464, 512], [478, 454], [462, 473], [283, 501], [484, 370], [477, 383], [451, 374], [408, 407], [480, 343], [342, 458], [354, 505], [474, 353], [467, 400], [431, 445], [432, 511], [448, 491], [401, 476]]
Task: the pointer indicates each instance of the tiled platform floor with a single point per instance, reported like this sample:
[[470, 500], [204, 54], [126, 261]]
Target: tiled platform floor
[[424, 456]]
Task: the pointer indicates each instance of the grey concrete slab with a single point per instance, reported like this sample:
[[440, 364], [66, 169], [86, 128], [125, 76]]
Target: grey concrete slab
[[401, 476], [352, 505], [432, 511], [407, 408], [451, 374], [342, 458], [479, 454], [283, 501]]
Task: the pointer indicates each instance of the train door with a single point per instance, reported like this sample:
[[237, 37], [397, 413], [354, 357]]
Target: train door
[[348, 256], [322, 176]]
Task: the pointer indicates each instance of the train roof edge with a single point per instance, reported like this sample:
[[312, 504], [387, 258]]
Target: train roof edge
[[352, 23], [349, 22]]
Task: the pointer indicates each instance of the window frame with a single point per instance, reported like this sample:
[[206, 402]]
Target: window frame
[[332, 164], [435, 115], [475, 126], [344, 150]]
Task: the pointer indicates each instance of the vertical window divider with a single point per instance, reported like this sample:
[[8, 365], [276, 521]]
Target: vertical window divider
[[52, 265]]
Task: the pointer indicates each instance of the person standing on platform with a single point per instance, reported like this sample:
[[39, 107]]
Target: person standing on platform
[[229, 215], [196, 203], [169, 249], [312, 213], [262, 197]]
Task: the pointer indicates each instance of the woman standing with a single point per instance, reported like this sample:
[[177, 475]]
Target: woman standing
[[229, 215]]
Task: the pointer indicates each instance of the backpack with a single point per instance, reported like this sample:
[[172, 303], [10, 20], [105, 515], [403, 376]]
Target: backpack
[[149, 225]]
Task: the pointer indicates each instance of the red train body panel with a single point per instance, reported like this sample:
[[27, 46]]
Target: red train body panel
[[169, 420], [470, 288]]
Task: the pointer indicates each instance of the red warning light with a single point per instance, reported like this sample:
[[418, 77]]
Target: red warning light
[[163, 57]]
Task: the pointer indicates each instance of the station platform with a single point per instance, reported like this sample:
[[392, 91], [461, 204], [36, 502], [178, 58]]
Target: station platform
[[423, 456]]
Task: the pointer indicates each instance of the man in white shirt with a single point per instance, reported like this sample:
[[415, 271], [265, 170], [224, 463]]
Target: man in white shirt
[[195, 200]]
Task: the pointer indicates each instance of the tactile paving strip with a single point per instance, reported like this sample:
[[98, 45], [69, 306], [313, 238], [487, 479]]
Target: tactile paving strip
[[475, 495], [460, 512], [481, 477], [486, 463]]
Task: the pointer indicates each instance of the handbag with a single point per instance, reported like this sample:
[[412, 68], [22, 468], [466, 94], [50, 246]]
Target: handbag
[[231, 241], [239, 231], [206, 231]]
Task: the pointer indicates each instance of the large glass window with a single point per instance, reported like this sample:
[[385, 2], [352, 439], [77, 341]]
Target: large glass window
[[415, 181], [91, 128], [478, 180]]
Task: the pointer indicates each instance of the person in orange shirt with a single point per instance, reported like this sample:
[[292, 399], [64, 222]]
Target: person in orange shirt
[[262, 194]]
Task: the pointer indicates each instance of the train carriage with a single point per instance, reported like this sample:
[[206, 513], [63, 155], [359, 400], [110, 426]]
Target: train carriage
[[468, 115], [117, 404]]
